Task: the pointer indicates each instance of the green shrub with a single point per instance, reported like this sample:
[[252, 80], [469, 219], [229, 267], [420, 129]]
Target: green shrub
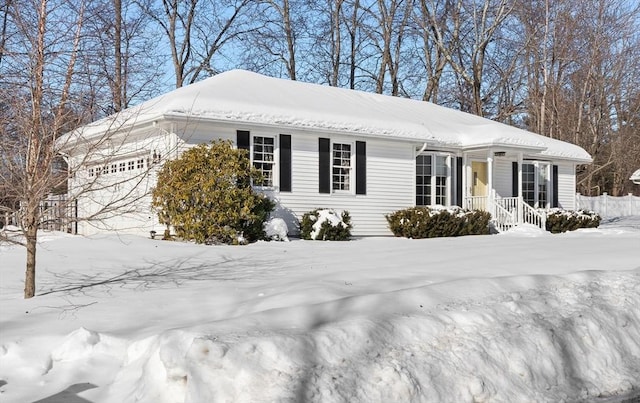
[[206, 196], [559, 220], [425, 222], [326, 225]]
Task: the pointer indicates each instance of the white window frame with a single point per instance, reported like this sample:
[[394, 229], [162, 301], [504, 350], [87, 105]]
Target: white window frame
[[433, 181], [350, 168], [273, 162], [539, 168]]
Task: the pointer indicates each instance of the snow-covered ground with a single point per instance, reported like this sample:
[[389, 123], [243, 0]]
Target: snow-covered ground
[[518, 317]]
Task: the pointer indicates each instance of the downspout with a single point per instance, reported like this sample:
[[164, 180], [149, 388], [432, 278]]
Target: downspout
[[520, 199], [421, 150]]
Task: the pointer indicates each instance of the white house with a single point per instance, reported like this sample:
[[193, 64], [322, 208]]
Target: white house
[[321, 146]]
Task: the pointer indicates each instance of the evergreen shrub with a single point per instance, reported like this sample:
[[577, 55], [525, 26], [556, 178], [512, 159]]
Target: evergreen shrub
[[206, 195], [326, 225], [427, 222], [559, 220]]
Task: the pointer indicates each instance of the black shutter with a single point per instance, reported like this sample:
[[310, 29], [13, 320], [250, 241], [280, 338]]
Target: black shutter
[[554, 186], [459, 181], [285, 163], [243, 140], [514, 178], [324, 165], [361, 168]]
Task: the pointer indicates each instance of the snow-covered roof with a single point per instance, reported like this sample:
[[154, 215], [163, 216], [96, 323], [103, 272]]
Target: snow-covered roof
[[243, 96], [636, 177]]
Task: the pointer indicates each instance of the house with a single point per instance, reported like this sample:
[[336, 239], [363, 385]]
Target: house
[[635, 177], [321, 146]]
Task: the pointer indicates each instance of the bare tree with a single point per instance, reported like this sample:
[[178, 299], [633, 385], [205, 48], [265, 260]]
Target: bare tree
[[391, 19], [280, 29], [43, 89], [429, 19], [197, 31], [121, 54], [582, 66], [39, 110], [326, 33], [464, 40]]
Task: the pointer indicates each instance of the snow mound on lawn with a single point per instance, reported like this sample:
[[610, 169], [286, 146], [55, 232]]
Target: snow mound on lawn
[[568, 337]]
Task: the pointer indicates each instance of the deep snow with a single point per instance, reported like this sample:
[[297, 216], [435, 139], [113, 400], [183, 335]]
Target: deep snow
[[521, 316]]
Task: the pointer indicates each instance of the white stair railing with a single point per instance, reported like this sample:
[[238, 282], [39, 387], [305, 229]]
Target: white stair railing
[[533, 216], [507, 212], [502, 218]]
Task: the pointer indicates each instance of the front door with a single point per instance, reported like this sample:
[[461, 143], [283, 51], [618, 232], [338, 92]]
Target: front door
[[479, 178]]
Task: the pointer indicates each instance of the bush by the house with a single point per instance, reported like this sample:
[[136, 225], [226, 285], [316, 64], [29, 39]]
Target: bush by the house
[[559, 220], [426, 222], [206, 196], [326, 225]]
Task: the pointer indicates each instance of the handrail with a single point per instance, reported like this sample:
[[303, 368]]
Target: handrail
[[502, 218], [507, 212], [533, 216]]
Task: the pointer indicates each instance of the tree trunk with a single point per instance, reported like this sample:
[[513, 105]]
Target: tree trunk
[[31, 232], [118, 84]]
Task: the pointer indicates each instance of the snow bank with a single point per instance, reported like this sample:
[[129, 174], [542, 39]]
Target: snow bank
[[520, 317], [573, 337]]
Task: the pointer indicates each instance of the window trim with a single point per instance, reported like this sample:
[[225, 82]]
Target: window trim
[[274, 162], [433, 186], [350, 168], [538, 167]]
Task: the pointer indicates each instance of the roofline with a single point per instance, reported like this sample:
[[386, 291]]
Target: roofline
[[181, 117], [135, 124]]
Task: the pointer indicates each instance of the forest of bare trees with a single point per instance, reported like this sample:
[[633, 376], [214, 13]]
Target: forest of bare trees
[[568, 69]]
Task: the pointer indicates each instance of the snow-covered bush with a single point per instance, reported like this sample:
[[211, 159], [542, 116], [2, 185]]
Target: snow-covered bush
[[276, 230], [431, 222], [326, 225], [559, 220]]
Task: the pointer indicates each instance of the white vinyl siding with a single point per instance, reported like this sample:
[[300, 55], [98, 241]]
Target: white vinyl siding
[[502, 179], [390, 183], [390, 177], [566, 186]]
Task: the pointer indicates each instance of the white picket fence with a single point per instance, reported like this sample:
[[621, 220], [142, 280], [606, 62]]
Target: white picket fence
[[610, 206]]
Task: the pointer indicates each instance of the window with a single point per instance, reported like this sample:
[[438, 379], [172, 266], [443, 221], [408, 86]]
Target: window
[[91, 172], [529, 184], [535, 184], [114, 168], [341, 167], [432, 173], [121, 167], [263, 158], [423, 180], [130, 165], [140, 163]]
